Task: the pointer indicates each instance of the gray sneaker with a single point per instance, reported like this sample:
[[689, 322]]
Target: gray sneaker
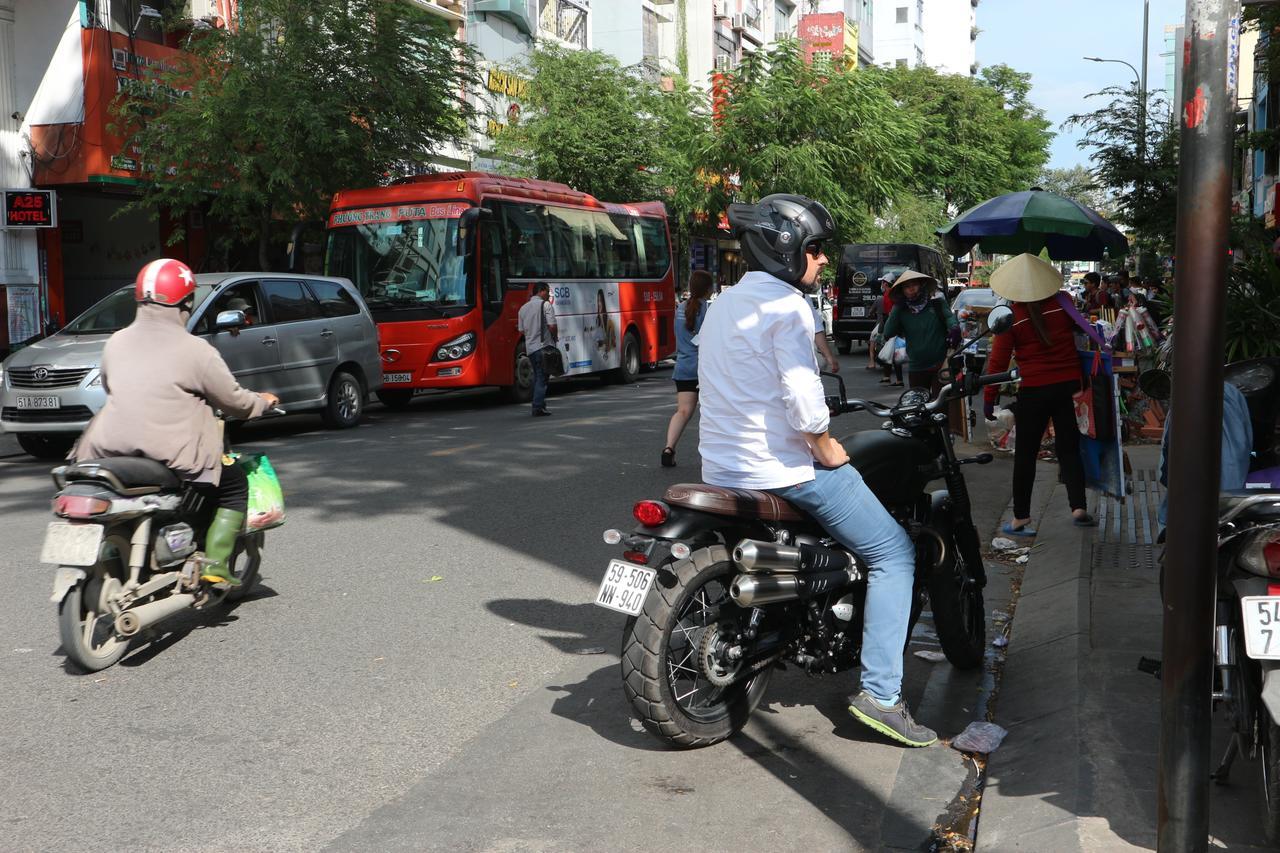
[[892, 721]]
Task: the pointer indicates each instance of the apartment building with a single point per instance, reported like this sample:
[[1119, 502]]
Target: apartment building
[[940, 34]]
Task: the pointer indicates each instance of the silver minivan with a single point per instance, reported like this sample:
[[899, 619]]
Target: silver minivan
[[308, 339]]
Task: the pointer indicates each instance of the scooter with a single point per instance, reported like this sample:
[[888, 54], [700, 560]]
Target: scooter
[[127, 550]]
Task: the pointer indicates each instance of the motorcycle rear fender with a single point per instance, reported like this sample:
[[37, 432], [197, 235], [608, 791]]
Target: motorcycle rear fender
[[64, 580], [699, 529]]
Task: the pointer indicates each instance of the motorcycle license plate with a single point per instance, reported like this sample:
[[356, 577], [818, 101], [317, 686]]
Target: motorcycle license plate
[[1261, 626], [68, 544], [394, 378], [624, 587], [49, 402]]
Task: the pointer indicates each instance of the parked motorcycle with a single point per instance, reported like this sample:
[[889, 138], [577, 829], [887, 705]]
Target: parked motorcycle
[[721, 585], [127, 546]]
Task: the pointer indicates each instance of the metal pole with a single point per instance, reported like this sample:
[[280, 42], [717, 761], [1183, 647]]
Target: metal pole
[[1142, 117], [1204, 208]]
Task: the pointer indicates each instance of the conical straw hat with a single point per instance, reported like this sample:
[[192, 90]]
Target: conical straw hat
[[1026, 278]]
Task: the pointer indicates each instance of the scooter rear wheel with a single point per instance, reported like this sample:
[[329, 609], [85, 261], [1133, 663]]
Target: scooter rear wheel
[[86, 625]]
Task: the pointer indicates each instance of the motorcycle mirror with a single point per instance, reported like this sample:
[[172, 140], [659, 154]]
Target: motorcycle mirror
[[1156, 383], [1000, 319]]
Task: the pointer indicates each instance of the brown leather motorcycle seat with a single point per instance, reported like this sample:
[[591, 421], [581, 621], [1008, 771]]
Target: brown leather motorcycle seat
[[744, 503]]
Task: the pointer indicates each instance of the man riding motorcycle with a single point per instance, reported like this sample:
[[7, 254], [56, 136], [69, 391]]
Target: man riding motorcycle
[[162, 384], [765, 426]]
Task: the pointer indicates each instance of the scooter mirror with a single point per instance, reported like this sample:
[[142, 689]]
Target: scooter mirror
[[1000, 319]]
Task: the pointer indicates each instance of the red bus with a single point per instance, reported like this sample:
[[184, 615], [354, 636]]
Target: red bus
[[445, 261]]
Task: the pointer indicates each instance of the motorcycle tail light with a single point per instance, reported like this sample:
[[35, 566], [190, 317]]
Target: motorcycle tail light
[[650, 513], [1261, 555], [79, 506], [635, 557]]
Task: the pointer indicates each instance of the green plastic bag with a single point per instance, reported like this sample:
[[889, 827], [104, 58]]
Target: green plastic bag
[[266, 498]]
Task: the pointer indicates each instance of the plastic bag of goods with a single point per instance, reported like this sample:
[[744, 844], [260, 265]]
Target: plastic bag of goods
[[266, 498]]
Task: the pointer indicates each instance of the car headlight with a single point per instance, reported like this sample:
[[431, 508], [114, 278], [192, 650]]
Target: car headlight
[[458, 348], [96, 381]]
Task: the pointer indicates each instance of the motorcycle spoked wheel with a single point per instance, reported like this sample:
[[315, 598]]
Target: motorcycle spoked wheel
[[85, 623], [959, 613], [672, 696]]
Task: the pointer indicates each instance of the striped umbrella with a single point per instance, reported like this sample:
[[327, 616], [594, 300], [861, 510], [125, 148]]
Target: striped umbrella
[[1031, 221]]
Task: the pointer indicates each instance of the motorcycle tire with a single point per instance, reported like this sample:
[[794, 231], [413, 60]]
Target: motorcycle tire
[[646, 674], [959, 613], [86, 627], [1270, 754]]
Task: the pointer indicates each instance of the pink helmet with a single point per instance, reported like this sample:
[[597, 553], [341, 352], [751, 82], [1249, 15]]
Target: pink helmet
[[164, 282]]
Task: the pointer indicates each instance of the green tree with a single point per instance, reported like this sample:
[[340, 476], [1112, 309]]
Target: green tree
[[1076, 183], [298, 101], [1139, 170], [909, 218], [980, 138], [831, 134]]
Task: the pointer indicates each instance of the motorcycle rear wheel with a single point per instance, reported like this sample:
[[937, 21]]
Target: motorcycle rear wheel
[[959, 613], [85, 623], [245, 561], [1270, 754], [670, 697]]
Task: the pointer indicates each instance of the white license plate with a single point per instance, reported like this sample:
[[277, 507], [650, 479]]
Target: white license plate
[[390, 378], [624, 587], [38, 402], [1261, 626], [68, 544], [857, 311]]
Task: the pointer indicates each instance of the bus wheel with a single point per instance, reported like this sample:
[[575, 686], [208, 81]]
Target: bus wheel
[[521, 391], [630, 368], [395, 398]]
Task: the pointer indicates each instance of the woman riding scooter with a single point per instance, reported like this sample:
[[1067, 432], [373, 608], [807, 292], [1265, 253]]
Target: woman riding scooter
[[162, 384]]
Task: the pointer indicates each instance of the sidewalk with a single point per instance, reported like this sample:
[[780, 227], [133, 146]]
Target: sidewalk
[[1077, 771]]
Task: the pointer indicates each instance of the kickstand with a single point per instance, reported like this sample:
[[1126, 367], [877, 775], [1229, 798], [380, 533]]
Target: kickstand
[[1224, 769]]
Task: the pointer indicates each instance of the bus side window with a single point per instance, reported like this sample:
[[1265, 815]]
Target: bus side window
[[528, 249], [656, 253], [617, 241], [491, 263]]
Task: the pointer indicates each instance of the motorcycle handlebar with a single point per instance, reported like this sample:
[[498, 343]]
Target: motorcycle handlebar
[[948, 392]]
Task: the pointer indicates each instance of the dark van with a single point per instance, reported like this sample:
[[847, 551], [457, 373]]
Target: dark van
[[861, 266]]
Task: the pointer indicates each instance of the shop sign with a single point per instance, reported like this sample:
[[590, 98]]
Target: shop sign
[[504, 83], [30, 209]]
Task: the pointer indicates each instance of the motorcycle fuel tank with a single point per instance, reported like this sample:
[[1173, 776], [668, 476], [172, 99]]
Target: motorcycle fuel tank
[[894, 467]]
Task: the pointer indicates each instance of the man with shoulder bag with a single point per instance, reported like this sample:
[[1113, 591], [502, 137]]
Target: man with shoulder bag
[[537, 323]]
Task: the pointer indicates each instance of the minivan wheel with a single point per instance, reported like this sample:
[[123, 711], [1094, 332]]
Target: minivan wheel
[[345, 402], [845, 345], [46, 445]]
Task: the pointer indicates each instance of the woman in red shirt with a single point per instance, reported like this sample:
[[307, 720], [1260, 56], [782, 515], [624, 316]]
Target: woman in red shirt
[[1043, 341]]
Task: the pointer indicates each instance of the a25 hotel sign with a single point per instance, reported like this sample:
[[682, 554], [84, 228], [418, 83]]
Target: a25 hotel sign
[[29, 209]]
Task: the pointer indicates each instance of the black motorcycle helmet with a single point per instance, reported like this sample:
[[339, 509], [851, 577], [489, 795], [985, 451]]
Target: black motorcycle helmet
[[776, 231]]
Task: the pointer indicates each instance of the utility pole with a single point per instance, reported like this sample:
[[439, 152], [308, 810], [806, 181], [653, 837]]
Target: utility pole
[[1206, 110], [1142, 116]]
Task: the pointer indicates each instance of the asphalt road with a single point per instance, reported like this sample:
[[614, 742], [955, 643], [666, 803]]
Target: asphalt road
[[420, 667]]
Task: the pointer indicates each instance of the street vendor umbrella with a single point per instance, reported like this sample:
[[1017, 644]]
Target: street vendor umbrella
[[1031, 221]]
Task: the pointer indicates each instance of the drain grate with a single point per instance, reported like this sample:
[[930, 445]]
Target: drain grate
[[1118, 558], [1133, 520]]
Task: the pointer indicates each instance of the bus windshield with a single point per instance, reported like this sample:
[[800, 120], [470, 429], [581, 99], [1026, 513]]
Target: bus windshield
[[406, 265]]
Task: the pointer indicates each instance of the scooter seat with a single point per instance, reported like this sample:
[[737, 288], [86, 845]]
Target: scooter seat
[[740, 503], [130, 475]]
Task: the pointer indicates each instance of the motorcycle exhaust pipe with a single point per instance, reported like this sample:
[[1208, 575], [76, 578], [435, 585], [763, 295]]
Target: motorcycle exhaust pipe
[[757, 590], [135, 619], [754, 555]]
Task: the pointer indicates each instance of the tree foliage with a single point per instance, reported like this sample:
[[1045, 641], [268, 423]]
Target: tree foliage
[[298, 101], [980, 138], [1139, 169], [1076, 183]]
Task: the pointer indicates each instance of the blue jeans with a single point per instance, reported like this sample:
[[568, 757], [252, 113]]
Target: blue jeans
[[840, 501], [539, 381]]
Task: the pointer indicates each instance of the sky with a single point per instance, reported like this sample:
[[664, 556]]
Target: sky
[[1048, 38]]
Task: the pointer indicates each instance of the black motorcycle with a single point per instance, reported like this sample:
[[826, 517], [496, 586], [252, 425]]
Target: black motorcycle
[[723, 584]]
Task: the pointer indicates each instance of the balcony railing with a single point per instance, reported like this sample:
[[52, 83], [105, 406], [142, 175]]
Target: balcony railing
[[566, 20]]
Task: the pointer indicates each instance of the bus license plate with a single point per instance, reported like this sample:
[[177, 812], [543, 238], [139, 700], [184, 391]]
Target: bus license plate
[[857, 311], [624, 587], [68, 544], [38, 402], [1261, 626], [391, 378]]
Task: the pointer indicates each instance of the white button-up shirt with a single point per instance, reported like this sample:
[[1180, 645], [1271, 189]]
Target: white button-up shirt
[[758, 386]]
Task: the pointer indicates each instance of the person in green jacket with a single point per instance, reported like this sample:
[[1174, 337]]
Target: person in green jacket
[[926, 323]]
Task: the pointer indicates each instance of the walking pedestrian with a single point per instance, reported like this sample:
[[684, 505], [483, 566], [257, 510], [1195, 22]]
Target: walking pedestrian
[[1043, 342], [688, 322], [926, 323], [537, 323], [892, 368]]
